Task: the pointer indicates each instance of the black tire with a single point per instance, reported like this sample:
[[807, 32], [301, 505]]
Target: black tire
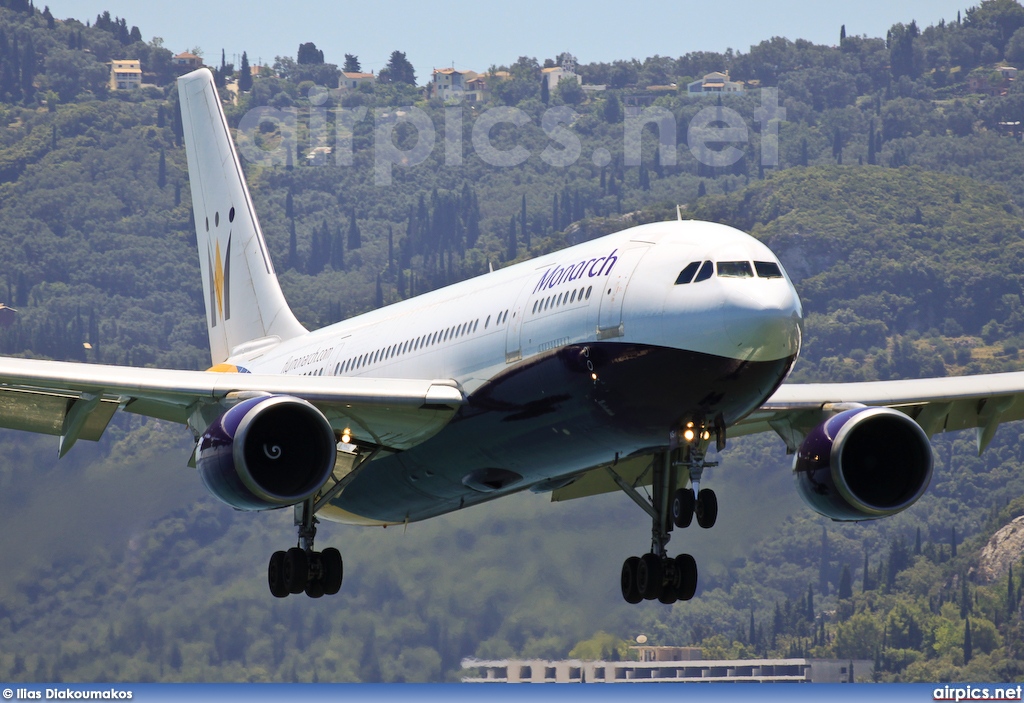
[[275, 575], [296, 570], [333, 570], [669, 592], [630, 592], [686, 566], [315, 588], [649, 577], [707, 508], [682, 507]]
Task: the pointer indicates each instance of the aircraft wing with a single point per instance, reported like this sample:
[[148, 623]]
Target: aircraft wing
[[982, 402], [76, 401], [937, 404]]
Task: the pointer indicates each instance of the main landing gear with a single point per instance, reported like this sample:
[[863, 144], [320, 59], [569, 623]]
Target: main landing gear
[[656, 576], [303, 569]]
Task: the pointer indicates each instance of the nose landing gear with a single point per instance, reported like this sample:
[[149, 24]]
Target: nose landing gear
[[656, 576]]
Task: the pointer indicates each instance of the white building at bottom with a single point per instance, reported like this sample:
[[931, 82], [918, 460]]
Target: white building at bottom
[[695, 671]]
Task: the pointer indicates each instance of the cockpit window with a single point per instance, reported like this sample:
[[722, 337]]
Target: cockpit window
[[686, 275], [706, 272], [767, 269], [735, 269]]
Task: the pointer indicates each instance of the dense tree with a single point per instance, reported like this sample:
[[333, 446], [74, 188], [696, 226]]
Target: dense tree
[[397, 70], [352, 64], [309, 55]]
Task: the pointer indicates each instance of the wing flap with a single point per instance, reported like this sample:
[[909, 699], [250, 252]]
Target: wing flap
[[46, 412]]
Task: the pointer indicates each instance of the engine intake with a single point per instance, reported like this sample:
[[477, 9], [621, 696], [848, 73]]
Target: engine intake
[[267, 453], [863, 464]]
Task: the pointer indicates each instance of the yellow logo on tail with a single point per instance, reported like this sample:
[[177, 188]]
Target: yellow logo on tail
[[220, 283]]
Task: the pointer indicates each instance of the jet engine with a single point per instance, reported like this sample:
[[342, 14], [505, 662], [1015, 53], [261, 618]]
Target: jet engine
[[267, 452], [863, 464]]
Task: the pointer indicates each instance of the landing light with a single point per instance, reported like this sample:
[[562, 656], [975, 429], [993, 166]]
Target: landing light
[[688, 435], [593, 376], [705, 435], [346, 436]]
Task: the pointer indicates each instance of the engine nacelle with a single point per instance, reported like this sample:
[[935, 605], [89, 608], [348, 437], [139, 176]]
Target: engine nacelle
[[267, 452], [863, 464]]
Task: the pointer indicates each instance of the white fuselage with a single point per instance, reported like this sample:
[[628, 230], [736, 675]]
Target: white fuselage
[[472, 330]]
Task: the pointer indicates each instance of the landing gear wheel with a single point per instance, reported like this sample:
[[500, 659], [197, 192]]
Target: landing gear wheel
[[333, 570], [296, 570], [686, 567], [630, 591], [682, 507], [275, 575], [669, 593], [707, 508], [649, 576], [315, 588]]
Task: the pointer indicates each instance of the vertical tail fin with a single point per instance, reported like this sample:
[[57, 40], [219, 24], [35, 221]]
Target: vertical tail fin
[[243, 298]]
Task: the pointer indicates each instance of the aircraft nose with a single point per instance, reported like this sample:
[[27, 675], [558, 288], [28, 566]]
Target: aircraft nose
[[764, 322]]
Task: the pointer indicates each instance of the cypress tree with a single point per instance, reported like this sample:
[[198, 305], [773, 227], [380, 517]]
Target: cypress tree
[[391, 250], [845, 583], [244, 75], [513, 249], [953, 542], [293, 246], [355, 238], [161, 174], [380, 293], [338, 250], [968, 646], [522, 223], [810, 603]]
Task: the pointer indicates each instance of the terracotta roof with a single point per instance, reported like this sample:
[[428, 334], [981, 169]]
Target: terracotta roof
[[186, 55], [353, 75]]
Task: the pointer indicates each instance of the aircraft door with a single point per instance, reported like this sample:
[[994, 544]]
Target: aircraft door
[[609, 322], [513, 334]]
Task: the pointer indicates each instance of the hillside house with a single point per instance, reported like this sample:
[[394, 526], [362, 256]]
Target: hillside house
[[449, 84], [351, 80], [187, 61], [125, 74], [714, 82]]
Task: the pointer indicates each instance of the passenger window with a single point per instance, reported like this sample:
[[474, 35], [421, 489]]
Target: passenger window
[[706, 272], [589, 289], [487, 321], [735, 269], [686, 275], [767, 269]]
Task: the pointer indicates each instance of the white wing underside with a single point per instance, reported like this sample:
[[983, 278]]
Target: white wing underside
[[76, 401], [937, 404]]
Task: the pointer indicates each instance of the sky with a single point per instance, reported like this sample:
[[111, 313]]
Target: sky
[[476, 35]]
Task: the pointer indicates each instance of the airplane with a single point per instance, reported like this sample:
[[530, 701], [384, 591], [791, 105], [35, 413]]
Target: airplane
[[610, 365]]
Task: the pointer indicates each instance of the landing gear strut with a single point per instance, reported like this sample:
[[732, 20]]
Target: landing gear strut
[[655, 575], [303, 569]]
